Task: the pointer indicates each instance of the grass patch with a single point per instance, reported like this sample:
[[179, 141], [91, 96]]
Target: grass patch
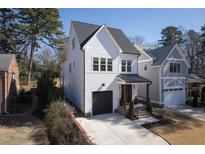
[[179, 130]]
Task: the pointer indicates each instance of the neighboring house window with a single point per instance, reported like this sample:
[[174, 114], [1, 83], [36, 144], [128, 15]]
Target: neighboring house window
[[73, 43], [70, 68], [178, 68], [102, 64], [145, 67], [126, 65], [95, 64], [174, 68], [74, 64], [109, 64], [129, 63]]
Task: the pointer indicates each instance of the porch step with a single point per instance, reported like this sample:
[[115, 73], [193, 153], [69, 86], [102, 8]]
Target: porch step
[[141, 113]]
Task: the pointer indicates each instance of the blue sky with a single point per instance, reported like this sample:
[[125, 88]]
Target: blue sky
[[143, 22]]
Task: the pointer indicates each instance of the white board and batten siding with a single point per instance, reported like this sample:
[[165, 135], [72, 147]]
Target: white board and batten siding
[[74, 81], [101, 45], [82, 81]]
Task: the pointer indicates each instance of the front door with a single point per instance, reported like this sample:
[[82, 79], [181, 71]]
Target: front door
[[127, 93]]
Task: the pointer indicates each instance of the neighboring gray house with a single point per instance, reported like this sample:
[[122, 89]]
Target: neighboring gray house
[[167, 68]]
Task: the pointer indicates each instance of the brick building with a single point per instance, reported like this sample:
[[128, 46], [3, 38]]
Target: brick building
[[9, 80]]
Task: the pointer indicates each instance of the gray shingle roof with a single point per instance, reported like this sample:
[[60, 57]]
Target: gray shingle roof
[[5, 61], [133, 78], [159, 54], [85, 31]]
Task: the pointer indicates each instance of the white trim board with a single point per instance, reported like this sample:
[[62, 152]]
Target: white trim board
[[146, 60], [150, 100], [174, 78], [180, 53], [108, 32], [141, 50], [175, 59]]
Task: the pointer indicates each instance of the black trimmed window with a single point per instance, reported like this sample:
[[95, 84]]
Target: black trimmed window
[[145, 67], [109, 64], [70, 68], [174, 68], [102, 64], [73, 43], [129, 66], [126, 66], [95, 64], [123, 65]]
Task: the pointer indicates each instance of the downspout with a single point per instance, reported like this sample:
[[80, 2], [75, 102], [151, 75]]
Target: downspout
[[5, 91], [84, 81]]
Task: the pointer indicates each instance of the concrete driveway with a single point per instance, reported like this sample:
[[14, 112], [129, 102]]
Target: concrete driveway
[[115, 129], [189, 111]]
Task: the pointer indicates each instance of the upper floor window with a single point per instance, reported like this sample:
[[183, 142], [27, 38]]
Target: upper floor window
[[73, 43], [129, 64], [126, 65], [109, 64], [13, 76], [123, 65], [102, 64], [70, 68], [174, 68], [145, 67], [95, 64]]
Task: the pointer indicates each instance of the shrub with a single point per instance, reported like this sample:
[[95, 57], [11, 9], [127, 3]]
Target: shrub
[[149, 106], [131, 110], [24, 97], [61, 128], [136, 101], [45, 90]]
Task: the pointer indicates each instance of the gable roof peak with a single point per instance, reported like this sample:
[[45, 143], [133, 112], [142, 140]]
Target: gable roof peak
[[5, 61], [85, 31]]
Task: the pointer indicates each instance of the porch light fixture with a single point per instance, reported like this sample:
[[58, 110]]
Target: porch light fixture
[[103, 84]]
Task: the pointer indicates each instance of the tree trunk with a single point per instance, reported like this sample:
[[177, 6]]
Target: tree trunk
[[30, 60]]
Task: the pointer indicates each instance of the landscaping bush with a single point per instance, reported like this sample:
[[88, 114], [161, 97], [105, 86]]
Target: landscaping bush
[[24, 97], [149, 106], [131, 110], [21, 103], [61, 128], [45, 91]]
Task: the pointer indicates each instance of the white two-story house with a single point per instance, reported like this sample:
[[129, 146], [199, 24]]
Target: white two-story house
[[167, 68], [101, 68]]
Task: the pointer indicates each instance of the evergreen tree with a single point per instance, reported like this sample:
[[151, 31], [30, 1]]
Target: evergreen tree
[[203, 38], [171, 35], [11, 39], [40, 26]]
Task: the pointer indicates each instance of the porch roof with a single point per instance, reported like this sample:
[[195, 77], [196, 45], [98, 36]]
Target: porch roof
[[194, 78], [133, 78]]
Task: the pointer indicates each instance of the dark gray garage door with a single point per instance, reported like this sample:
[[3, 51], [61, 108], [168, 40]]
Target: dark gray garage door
[[102, 102]]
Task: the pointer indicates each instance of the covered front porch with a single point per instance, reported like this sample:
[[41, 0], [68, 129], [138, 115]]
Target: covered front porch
[[195, 89], [129, 102]]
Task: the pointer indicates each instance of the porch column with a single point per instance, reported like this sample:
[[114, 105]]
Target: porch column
[[147, 93]]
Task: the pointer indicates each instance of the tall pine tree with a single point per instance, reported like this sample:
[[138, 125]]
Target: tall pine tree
[[171, 35], [202, 37], [11, 38], [40, 26]]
